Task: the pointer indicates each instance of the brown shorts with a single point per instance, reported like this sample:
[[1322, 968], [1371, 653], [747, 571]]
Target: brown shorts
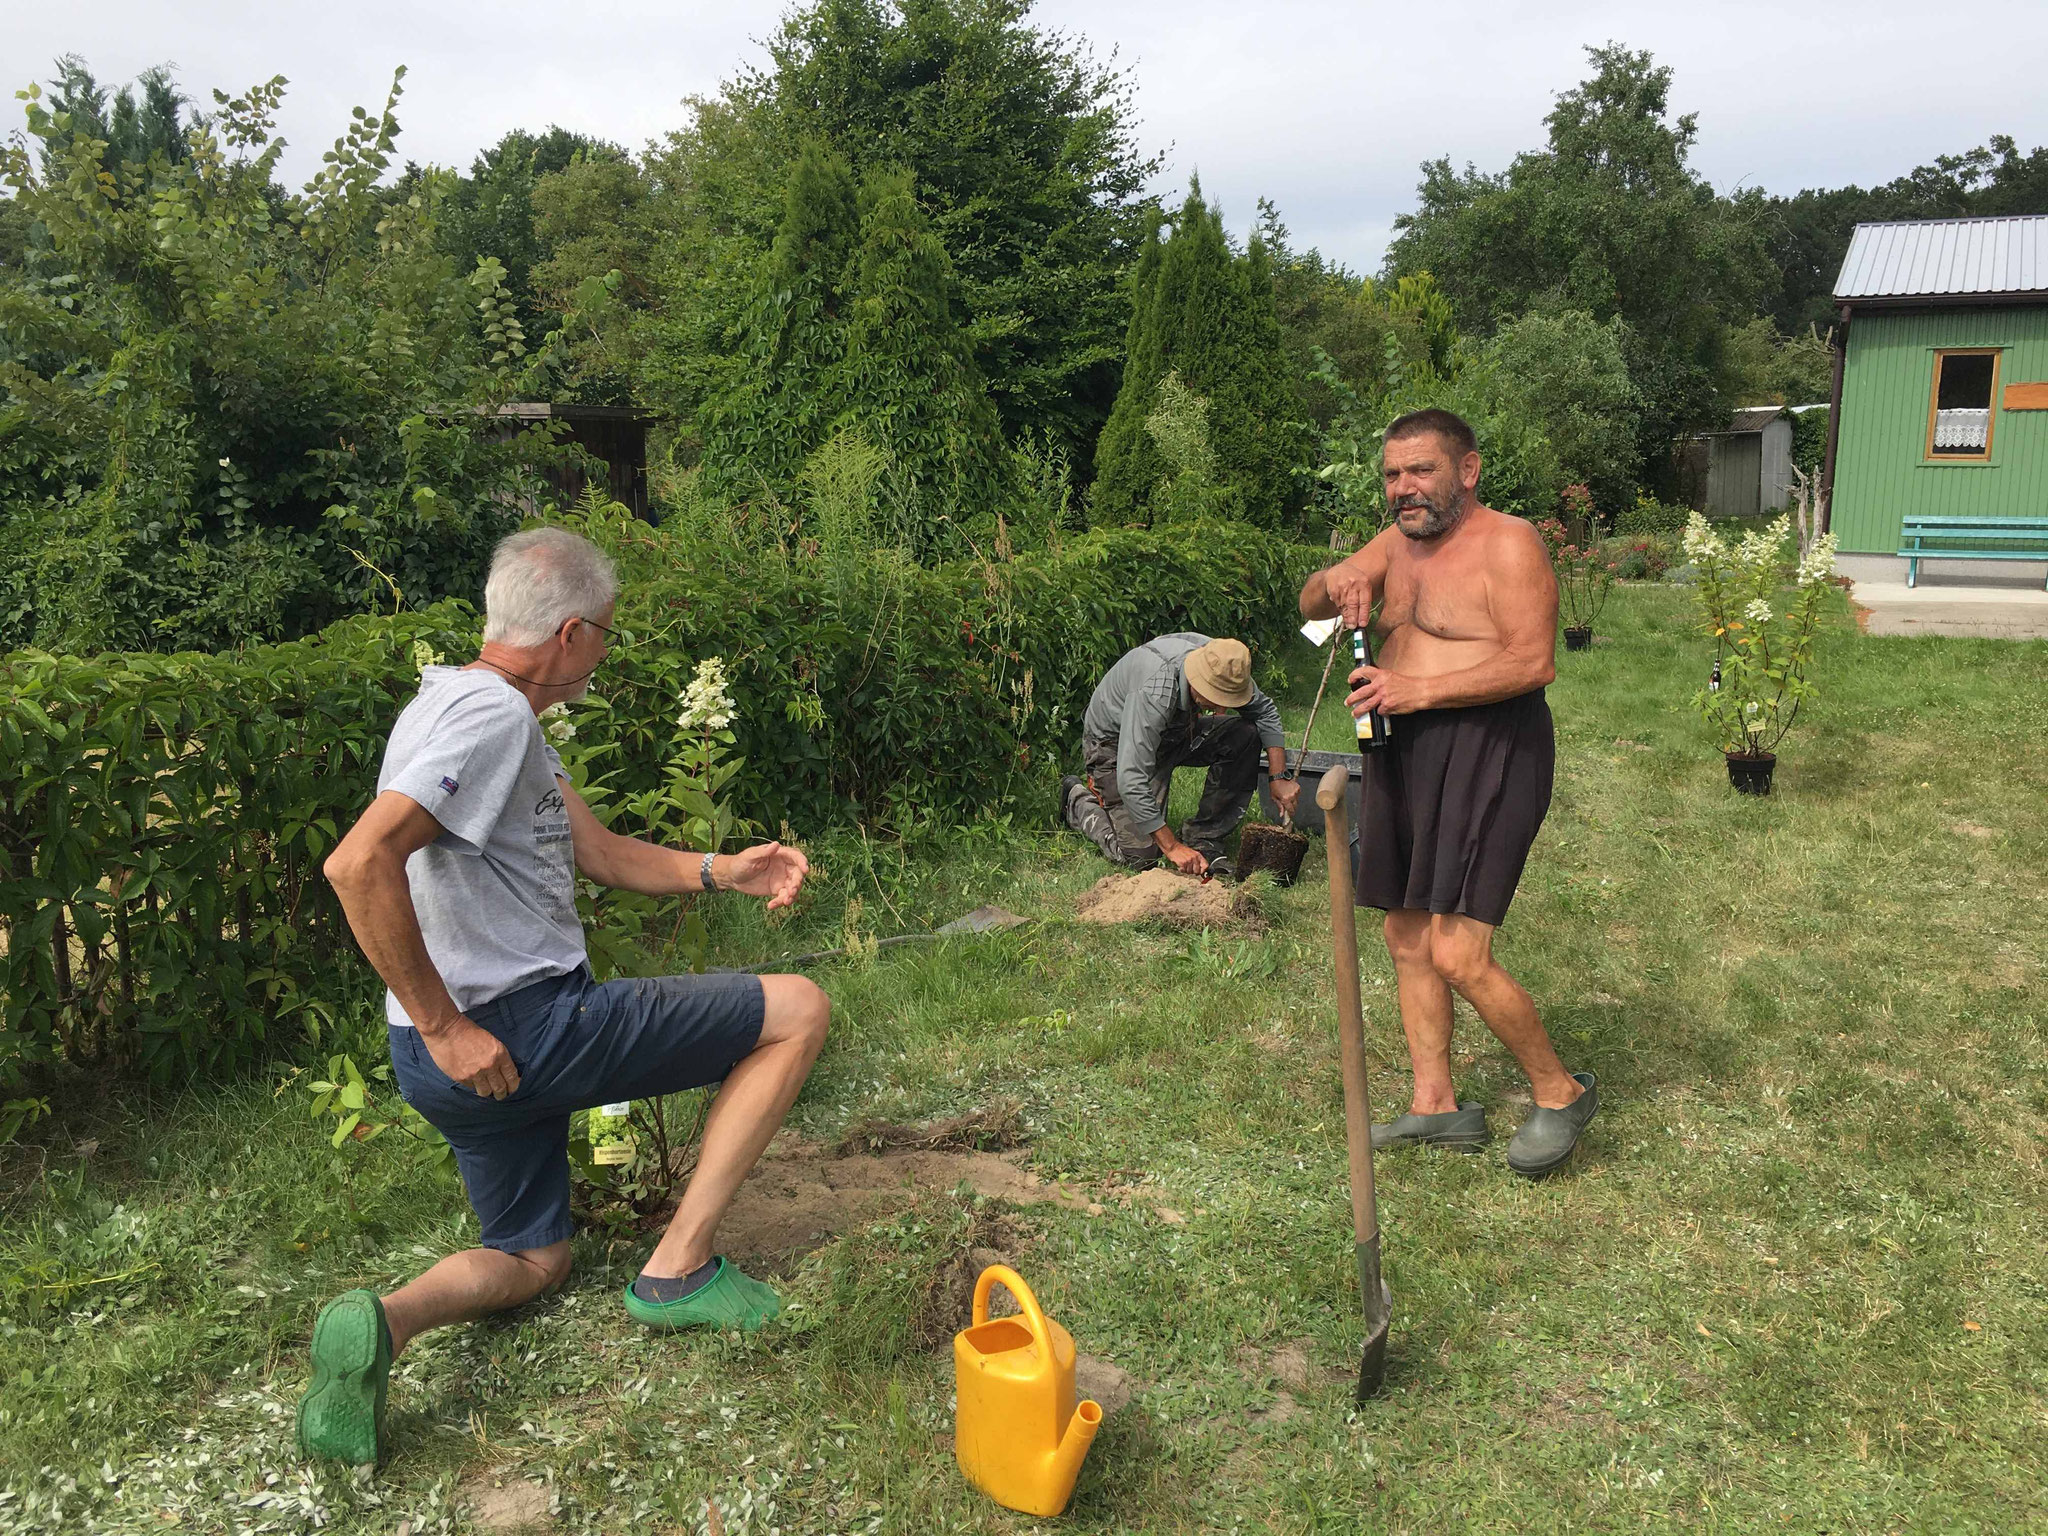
[[1450, 806]]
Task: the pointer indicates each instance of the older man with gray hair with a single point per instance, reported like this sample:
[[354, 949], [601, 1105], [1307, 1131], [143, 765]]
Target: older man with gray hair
[[459, 881]]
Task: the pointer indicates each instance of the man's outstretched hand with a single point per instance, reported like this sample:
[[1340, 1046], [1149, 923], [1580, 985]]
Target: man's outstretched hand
[[770, 870]]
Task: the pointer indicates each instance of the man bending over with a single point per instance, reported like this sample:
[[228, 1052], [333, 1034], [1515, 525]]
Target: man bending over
[[1468, 616], [460, 884], [1180, 701]]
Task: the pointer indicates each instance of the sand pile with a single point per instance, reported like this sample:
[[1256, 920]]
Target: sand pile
[[1165, 895]]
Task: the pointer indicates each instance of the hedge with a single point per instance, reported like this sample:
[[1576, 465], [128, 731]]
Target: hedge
[[159, 844], [161, 835]]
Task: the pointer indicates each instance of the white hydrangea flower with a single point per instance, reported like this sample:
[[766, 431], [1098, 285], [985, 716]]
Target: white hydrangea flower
[[1699, 538], [1760, 546], [1758, 611], [707, 702], [424, 656], [1819, 563]]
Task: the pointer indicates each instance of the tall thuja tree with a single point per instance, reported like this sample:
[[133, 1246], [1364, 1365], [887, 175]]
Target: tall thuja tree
[[853, 331], [909, 381], [778, 401], [1206, 315], [131, 129]]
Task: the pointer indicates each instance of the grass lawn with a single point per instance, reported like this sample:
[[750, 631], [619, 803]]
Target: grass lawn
[[1794, 1279]]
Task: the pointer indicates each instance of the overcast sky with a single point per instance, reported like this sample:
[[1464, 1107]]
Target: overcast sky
[[1327, 108]]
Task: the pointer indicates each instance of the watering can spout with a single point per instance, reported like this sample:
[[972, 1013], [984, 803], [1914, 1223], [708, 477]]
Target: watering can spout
[[1066, 1460]]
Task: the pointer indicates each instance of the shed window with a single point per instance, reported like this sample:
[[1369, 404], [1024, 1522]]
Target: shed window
[[1959, 418]]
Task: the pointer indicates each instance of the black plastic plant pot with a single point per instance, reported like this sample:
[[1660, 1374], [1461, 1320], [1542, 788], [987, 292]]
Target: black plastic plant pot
[[1578, 638], [1751, 775]]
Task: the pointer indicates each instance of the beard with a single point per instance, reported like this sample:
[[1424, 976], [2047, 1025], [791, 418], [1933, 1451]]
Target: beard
[[1439, 515]]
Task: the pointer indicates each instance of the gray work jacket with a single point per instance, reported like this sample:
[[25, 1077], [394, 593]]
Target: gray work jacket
[[1139, 702]]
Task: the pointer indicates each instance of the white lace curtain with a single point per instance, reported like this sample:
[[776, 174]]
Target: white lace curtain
[[1962, 428]]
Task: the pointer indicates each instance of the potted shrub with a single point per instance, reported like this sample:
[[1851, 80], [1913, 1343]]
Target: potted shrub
[[1584, 574], [1762, 652]]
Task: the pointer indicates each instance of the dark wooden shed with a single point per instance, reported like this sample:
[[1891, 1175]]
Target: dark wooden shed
[[613, 434]]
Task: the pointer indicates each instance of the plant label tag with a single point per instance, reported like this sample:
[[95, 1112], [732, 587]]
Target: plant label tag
[[1318, 631], [611, 1135]]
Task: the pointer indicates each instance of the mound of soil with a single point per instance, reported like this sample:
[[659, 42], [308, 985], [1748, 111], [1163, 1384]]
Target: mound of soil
[[996, 1128], [1165, 895]]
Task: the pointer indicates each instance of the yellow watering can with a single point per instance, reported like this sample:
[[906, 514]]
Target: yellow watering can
[[1019, 1436]]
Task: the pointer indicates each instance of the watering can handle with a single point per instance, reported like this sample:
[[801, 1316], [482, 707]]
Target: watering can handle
[[1013, 1282]]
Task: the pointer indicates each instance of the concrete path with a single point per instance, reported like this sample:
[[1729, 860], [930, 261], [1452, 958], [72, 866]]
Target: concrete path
[[1999, 598], [2005, 608]]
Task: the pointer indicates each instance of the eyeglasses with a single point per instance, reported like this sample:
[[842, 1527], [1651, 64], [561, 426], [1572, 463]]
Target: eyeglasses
[[611, 635]]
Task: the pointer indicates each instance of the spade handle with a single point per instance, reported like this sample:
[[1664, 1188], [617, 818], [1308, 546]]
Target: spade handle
[[1330, 795]]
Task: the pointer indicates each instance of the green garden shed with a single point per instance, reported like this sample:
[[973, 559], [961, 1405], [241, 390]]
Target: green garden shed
[[1941, 386]]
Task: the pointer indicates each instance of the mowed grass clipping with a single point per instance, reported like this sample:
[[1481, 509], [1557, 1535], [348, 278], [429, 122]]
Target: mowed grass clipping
[[1794, 1279]]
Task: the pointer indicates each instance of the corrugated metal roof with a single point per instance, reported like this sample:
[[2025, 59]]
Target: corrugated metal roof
[[1754, 418], [1935, 258]]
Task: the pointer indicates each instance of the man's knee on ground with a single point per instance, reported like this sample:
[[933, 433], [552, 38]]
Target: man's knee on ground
[[1459, 954], [794, 1008], [548, 1266]]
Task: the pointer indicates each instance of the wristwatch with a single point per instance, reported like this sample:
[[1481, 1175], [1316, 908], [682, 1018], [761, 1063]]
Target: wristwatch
[[704, 873]]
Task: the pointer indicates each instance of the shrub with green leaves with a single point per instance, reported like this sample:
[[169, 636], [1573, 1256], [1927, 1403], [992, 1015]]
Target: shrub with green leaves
[[161, 904], [232, 413]]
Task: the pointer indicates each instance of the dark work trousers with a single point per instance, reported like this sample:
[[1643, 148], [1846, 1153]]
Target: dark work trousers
[[1227, 745]]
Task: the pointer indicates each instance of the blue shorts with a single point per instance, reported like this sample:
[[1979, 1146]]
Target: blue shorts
[[576, 1044]]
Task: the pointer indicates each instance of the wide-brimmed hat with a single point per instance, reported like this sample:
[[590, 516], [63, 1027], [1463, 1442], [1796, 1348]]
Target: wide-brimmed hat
[[1221, 672]]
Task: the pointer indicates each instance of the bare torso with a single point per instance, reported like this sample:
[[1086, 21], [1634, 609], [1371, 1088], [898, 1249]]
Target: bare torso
[[1440, 611]]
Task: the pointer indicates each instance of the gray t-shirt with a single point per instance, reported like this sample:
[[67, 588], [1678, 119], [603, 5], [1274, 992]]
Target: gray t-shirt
[[496, 891]]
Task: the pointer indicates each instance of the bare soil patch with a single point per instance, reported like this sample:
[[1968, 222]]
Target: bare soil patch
[[504, 1501], [1109, 1384], [1165, 895]]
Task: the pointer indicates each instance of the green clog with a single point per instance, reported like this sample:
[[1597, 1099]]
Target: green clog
[[728, 1299], [1462, 1129], [341, 1417], [1548, 1136]]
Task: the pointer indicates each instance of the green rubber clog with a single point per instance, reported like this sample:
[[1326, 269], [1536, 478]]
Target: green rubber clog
[[1462, 1130], [1548, 1136], [341, 1417], [728, 1299]]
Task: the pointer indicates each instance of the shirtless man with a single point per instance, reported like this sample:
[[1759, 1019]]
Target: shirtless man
[[1467, 627]]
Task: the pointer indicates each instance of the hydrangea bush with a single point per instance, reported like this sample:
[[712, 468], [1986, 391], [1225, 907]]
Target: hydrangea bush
[[1762, 652]]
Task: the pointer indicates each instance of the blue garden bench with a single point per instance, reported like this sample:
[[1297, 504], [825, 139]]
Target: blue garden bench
[[1971, 538]]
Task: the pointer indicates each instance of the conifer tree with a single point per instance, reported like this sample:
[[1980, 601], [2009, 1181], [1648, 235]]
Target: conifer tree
[[758, 432], [909, 382], [1207, 315], [853, 331]]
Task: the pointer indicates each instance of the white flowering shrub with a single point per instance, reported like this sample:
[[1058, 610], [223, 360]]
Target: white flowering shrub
[[554, 720], [684, 809], [1762, 653]]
